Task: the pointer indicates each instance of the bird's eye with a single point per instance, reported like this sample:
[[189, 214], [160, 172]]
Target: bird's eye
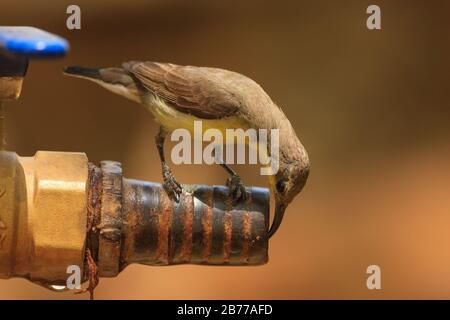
[[281, 186]]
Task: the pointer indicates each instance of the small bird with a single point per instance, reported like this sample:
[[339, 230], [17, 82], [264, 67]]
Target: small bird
[[179, 95]]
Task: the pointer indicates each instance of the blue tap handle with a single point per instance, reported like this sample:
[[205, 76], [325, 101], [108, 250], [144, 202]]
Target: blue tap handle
[[19, 44], [31, 42]]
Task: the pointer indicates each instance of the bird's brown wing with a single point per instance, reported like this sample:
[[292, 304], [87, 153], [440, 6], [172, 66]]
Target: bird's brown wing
[[193, 90]]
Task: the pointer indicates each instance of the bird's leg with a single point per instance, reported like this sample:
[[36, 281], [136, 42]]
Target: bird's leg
[[172, 187], [235, 184]]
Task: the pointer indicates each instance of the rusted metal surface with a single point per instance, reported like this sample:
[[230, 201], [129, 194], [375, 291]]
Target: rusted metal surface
[[94, 195], [203, 228], [110, 226]]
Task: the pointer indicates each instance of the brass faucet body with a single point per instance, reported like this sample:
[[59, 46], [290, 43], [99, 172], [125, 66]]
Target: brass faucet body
[[43, 215], [10, 88]]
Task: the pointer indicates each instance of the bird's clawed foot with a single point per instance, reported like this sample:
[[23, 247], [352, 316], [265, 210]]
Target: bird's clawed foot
[[237, 188], [172, 187]]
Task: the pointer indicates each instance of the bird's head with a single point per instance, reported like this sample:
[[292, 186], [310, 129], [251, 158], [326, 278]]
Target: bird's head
[[286, 184]]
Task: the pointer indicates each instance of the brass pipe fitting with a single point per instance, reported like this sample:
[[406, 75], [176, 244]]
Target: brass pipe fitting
[[10, 88], [43, 215], [2, 127], [55, 206]]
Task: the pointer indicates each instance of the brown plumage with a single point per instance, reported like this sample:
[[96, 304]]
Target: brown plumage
[[178, 95], [189, 89]]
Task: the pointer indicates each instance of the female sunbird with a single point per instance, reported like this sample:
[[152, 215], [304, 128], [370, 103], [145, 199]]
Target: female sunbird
[[179, 95]]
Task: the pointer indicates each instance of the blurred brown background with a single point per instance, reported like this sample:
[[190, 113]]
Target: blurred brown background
[[372, 108]]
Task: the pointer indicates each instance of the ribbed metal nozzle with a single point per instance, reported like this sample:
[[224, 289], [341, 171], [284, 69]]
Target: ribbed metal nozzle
[[136, 222], [202, 228]]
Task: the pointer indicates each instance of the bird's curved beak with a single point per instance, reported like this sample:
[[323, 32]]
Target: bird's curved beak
[[278, 218]]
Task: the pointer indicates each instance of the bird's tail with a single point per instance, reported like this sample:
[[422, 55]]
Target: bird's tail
[[116, 80]]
